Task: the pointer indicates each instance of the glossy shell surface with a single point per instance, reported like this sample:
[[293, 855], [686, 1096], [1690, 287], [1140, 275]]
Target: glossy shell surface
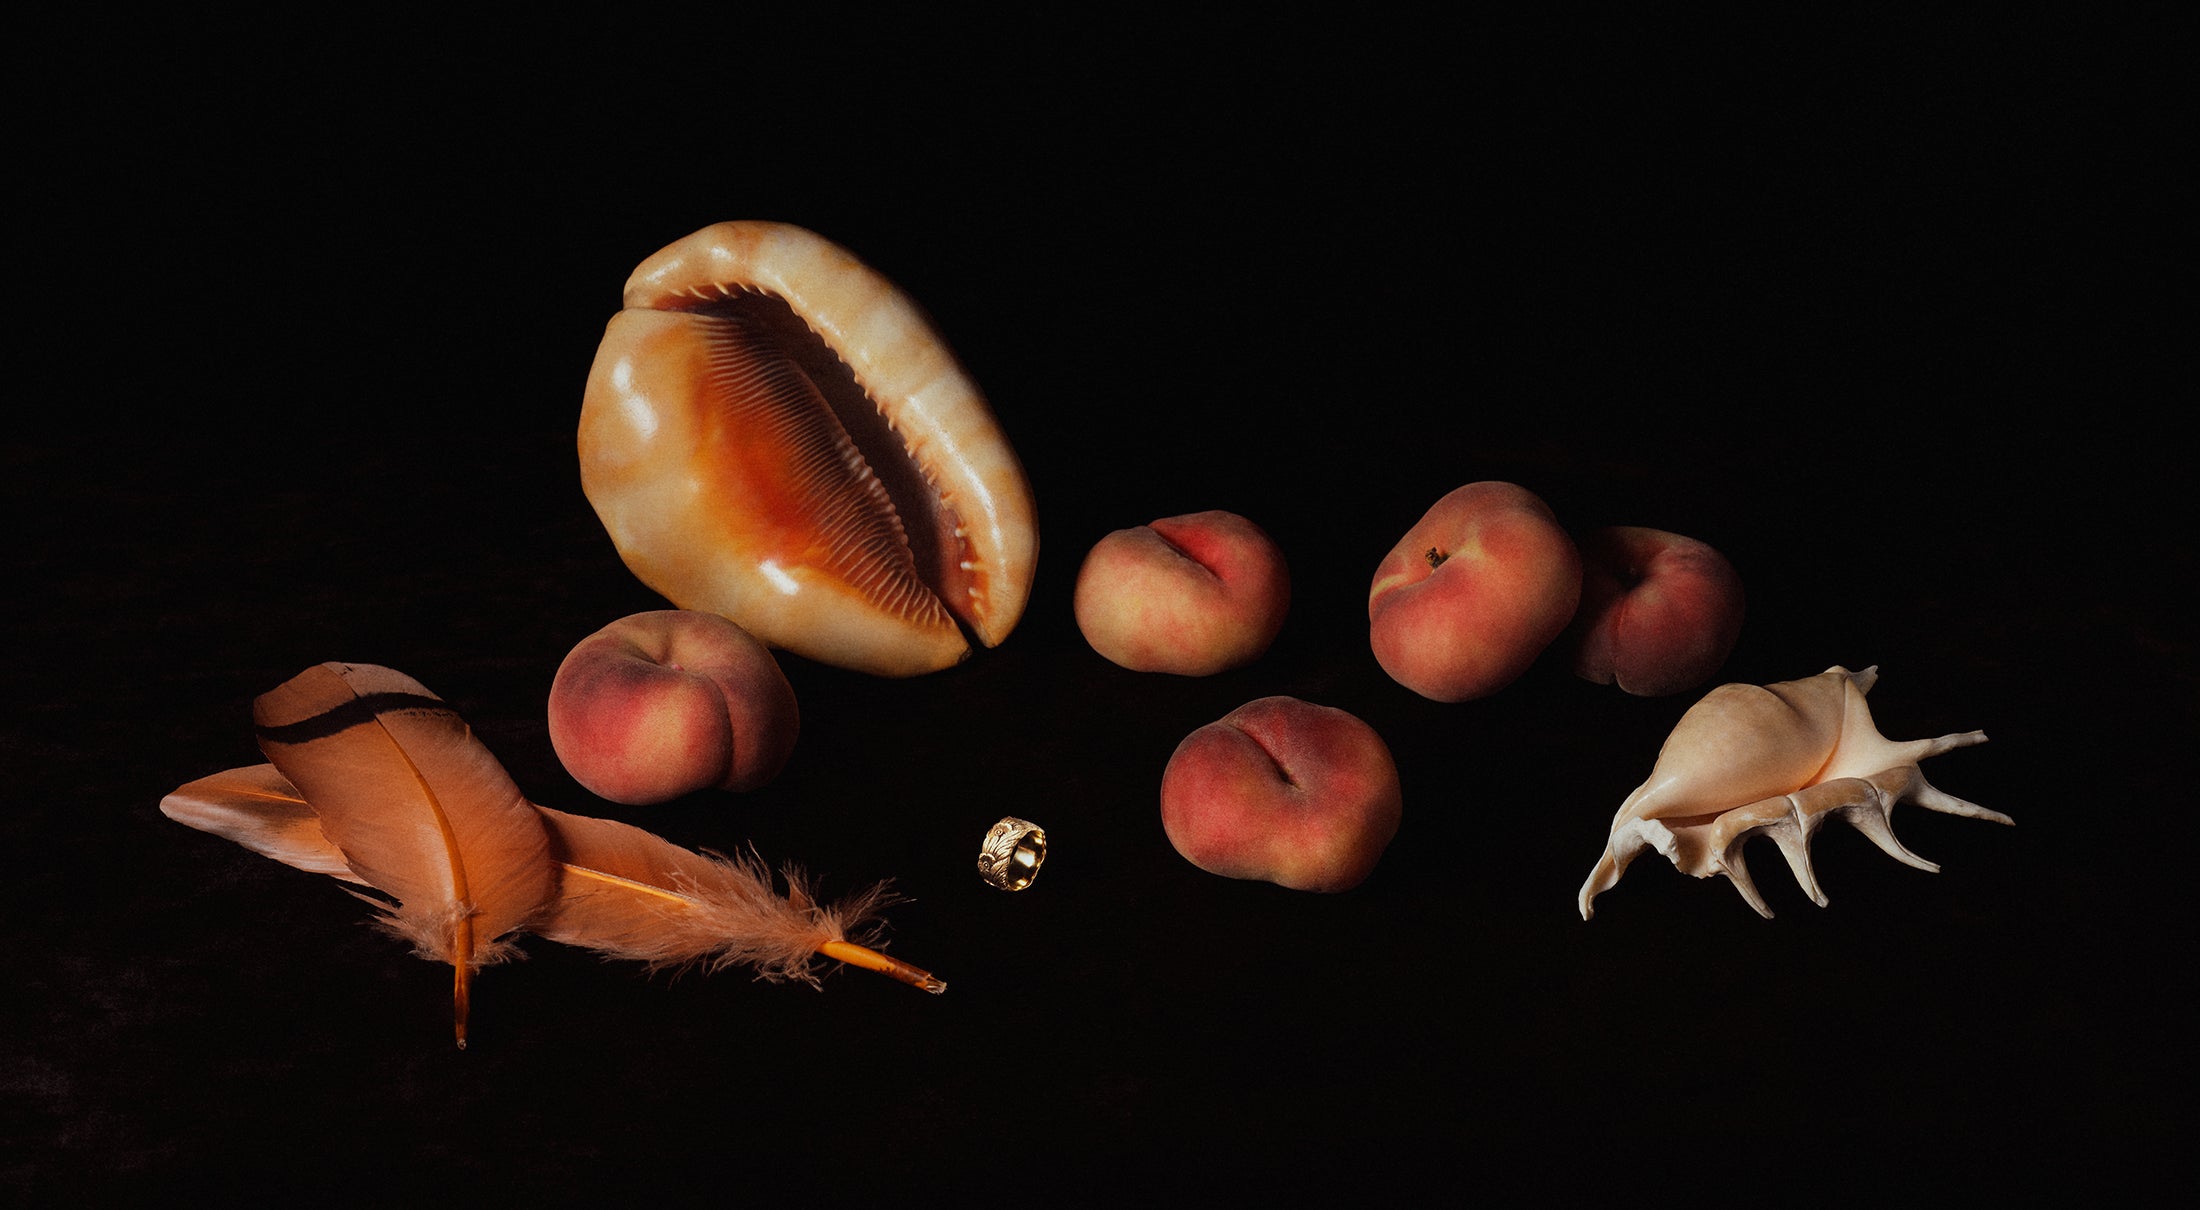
[[775, 433]]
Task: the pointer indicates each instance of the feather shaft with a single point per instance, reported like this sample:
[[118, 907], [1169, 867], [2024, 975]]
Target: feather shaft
[[870, 959]]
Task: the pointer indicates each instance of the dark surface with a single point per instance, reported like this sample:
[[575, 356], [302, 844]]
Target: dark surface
[[309, 320]]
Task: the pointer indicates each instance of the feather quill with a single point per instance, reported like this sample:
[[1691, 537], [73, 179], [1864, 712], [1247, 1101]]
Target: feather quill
[[419, 809], [628, 893]]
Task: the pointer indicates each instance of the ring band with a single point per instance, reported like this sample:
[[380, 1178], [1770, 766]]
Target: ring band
[[1013, 852]]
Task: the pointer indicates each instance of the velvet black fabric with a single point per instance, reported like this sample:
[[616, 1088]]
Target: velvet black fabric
[[302, 322]]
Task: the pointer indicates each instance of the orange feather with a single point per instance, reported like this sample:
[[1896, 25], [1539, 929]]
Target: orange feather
[[258, 808], [627, 893], [419, 808]]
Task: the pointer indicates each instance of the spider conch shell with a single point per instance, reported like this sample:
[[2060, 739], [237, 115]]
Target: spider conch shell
[[774, 432], [1778, 761]]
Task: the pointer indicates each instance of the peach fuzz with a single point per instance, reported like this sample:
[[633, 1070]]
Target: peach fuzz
[[1284, 791], [1473, 593], [662, 704], [1659, 611], [1191, 595]]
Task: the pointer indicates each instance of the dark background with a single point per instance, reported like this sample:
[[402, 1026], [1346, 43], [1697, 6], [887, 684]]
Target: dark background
[[302, 320]]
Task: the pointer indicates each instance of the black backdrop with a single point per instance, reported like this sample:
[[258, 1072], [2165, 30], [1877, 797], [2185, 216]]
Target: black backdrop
[[303, 316]]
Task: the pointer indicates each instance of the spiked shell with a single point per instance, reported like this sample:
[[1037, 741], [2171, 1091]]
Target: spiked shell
[[774, 432], [1777, 761]]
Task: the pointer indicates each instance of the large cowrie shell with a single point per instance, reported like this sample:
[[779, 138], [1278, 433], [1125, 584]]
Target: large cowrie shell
[[774, 432]]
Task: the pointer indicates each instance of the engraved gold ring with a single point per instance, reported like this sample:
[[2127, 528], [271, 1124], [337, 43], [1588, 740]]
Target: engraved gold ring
[[1014, 850]]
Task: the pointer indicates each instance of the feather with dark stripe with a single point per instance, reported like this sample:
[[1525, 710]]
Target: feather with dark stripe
[[418, 807]]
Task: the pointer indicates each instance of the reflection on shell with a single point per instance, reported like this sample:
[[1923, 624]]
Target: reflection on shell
[[1777, 761], [773, 432]]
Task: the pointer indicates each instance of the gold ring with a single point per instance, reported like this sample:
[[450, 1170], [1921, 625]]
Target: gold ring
[[1013, 852]]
